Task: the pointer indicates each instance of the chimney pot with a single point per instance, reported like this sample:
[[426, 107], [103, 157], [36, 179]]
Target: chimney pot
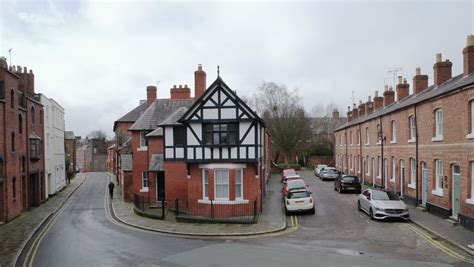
[[439, 57], [404, 80], [386, 87], [468, 55], [399, 80], [31, 71], [180, 86], [418, 71], [376, 93], [470, 40], [442, 70], [370, 99]]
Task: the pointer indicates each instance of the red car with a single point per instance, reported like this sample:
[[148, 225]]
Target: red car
[[293, 184], [287, 172]]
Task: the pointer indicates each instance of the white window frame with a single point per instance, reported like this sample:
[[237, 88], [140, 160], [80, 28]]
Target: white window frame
[[221, 184], [351, 167], [351, 139], [241, 184], [471, 200], [471, 134], [394, 170], [412, 183], [205, 183], [438, 191], [374, 168], [145, 181], [368, 164], [379, 140], [358, 164], [412, 128], [367, 136], [379, 169], [402, 174], [143, 146], [438, 125], [358, 137], [394, 132]]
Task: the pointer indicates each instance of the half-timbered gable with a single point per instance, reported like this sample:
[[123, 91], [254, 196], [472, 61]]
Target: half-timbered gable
[[219, 126]]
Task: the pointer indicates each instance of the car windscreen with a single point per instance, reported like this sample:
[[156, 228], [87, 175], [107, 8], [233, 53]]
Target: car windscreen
[[350, 179], [296, 184], [382, 195], [299, 194], [289, 172], [330, 171]]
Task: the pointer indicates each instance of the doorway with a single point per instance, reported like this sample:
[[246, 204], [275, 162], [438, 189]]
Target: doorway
[[456, 190], [160, 185], [33, 190], [424, 185]]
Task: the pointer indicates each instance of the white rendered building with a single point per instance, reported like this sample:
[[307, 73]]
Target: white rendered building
[[54, 125]]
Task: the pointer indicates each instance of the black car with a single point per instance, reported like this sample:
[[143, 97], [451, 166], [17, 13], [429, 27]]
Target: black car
[[348, 183]]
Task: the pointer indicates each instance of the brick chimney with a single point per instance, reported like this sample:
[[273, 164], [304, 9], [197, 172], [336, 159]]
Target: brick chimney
[[355, 112], [361, 109], [403, 89], [420, 82], [3, 62], [468, 54], [378, 100], [369, 105], [335, 113], [199, 82], [388, 96], [349, 114], [442, 70], [150, 95], [26, 83], [180, 92]]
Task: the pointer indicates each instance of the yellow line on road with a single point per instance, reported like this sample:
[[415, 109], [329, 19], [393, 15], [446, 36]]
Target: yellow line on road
[[439, 245]]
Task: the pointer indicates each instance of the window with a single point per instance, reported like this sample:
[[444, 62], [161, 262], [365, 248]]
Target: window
[[379, 163], [32, 114], [12, 99], [14, 187], [41, 116], [379, 131], [205, 184], [351, 137], [2, 90], [34, 148], [394, 131], [439, 124], [238, 183], [20, 124], [412, 128], [368, 165], [179, 136], [374, 168], [143, 141], [1, 170], [13, 142], [367, 136], [470, 201], [412, 173], [471, 135], [358, 137], [358, 163], [394, 166], [221, 182], [220, 134], [402, 174], [439, 178], [144, 179], [23, 164], [340, 143], [385, 171]]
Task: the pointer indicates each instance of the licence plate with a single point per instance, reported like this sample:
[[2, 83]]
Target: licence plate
[[299, 202], [351, 188]]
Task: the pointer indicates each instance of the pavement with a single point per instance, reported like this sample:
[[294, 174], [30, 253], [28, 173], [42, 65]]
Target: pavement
[[454, 233], [270, 221], [16, 233]]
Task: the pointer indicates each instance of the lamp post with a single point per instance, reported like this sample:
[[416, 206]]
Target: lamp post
[[382, 139]]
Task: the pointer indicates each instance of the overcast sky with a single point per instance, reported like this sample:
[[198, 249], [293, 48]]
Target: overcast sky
[[96, 58]]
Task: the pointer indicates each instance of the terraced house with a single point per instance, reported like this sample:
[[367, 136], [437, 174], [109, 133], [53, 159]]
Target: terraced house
[[420, 144], [210, 149]]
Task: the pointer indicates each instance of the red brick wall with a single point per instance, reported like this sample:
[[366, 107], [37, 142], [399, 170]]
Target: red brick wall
[[127, 191], [176, 181]]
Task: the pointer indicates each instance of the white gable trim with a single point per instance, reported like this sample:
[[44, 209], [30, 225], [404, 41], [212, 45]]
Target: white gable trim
[[222, 166]]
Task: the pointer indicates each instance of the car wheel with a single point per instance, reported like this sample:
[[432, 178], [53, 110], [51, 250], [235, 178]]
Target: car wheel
[[335, 189], [340, 190], [358, 191], [371, 214], [287, 212], [313, 211], [358, 206]]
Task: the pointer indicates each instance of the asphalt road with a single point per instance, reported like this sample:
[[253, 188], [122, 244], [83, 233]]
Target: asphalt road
[[337, 235]]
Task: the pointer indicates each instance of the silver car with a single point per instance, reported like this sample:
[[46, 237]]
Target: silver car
[[319, 168], [329, 173], [381, 204]]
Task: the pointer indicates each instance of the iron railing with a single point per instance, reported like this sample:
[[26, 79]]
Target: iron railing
[[149, 206]]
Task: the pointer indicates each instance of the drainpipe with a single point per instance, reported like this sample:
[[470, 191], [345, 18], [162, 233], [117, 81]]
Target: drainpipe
[[345, 143], [416, 156], [382, 139], [361, 168]]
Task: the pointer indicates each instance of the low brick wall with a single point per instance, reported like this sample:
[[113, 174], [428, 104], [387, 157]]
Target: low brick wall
[[316, 160]]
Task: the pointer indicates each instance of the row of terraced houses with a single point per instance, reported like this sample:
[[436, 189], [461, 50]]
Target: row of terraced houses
[[210, 149], [419, 143]]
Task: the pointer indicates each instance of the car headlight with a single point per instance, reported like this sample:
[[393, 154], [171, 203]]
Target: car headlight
[[378, 209], [405, 210]]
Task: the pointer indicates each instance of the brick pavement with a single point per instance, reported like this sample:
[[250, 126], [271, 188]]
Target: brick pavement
[[15, 234], [271, 220]]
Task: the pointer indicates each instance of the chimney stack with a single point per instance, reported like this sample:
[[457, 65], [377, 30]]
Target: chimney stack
[[420, 82], [335, 113], [349, 114], [369, 105], [442, 70], [361, 109], [3, 62], [355, 112], [181, 92], [388, 96], [468, 54], [150, 95], [403, 89], [378, 100], [199, 82]]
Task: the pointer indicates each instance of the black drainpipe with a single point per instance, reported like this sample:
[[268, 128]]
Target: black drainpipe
[[416, 156], [382, 139], [347, 160], [361, 168]]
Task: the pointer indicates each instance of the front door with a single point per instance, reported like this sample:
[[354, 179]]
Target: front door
[[456, 190], [424, 186], [160, 185]]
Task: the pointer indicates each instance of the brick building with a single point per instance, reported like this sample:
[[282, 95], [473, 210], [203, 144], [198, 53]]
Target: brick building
[[70, 150], [22, 179], [419, 144], [212, 147]]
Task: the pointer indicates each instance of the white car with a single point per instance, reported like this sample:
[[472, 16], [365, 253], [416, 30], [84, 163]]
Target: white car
[[381, 204], [319, 168], [299, 200]]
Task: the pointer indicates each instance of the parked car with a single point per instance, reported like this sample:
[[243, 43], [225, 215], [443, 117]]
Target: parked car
[[290, 184], [299, 200], [287, 172], [319, 168], [382, 204], [347, 183], [329, 173]]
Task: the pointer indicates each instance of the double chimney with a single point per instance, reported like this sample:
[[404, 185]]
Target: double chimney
[[181, 91]]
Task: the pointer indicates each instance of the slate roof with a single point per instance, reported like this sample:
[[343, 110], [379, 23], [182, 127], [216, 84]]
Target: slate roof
[[324, 124], [133, 115], [157, 132], [33, 135], [157, 112], [174, 117], [156, 162], [69, 135], [126, 163], [460, 82]]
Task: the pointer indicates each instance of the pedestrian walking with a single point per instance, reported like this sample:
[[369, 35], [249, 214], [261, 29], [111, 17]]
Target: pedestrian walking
[[111, 189]]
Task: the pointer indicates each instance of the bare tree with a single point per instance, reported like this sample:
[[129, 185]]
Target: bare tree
[[97, 134], [284, 116]]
